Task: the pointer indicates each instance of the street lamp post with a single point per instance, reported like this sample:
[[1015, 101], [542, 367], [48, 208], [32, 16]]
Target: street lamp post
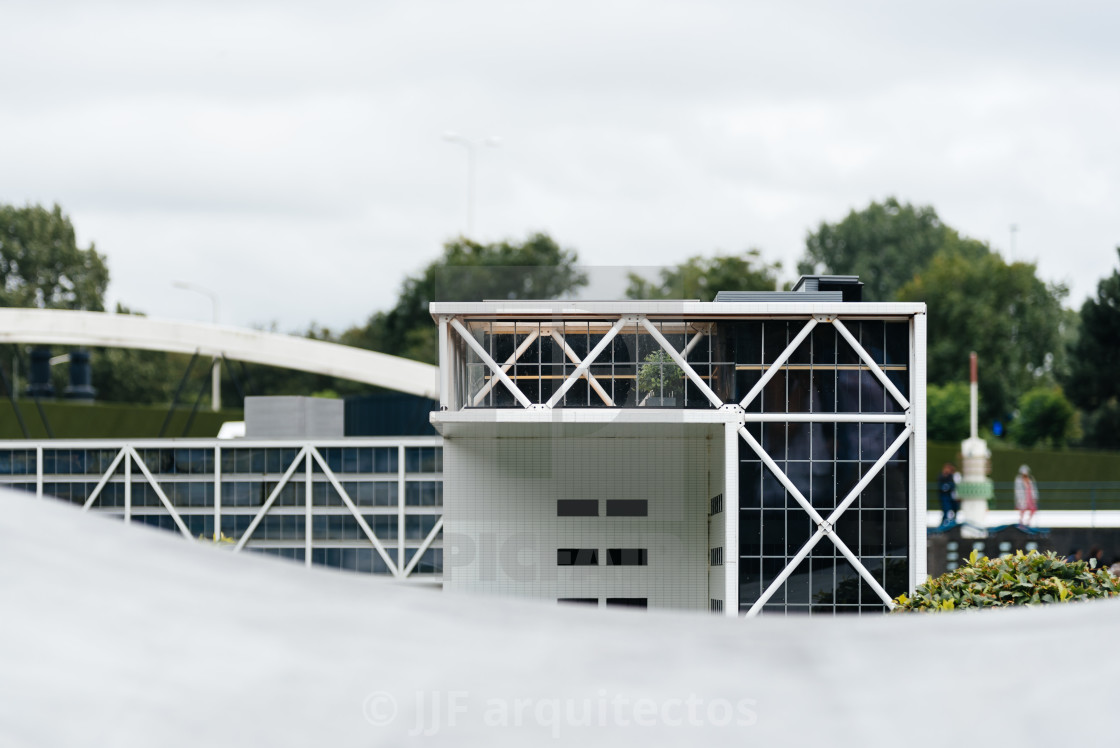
[[470, 145], [216, 370]]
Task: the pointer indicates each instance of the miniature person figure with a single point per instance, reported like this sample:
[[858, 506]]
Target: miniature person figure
[[946, 488], [1026, 495]]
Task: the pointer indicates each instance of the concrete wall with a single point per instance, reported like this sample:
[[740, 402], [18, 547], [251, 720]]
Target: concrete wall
[[293, 417], [502, 530]]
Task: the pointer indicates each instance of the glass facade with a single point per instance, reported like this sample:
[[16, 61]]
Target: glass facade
[[220, 488], [728, 355], [632, 371], [824, 461]]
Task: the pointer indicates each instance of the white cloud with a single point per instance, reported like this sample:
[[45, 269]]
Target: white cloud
[[289, 155]]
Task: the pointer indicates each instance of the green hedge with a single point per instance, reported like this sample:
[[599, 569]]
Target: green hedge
[[1047, 465], [70, 420]]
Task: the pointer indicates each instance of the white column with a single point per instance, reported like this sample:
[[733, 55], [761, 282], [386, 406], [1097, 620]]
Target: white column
[[38, 472], [307, 484], [400, 507], [127, 484], [731, 519], [217, 492], [445, 365], [216, 385], [918, 452]]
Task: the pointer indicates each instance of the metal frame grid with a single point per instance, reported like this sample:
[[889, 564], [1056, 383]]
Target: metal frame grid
[[847, 474], [458, 394], [303, 500]]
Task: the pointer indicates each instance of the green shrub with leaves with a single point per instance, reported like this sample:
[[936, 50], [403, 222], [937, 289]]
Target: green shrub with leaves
[[1023, 579], [660, 376]]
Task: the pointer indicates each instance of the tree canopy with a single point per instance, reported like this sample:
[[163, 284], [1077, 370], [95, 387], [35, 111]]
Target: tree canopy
[[703, 277], [1003, 312], [1095, 356], [41, 265], [537, 268], [947, 412], [1045, 417], [885, 244]]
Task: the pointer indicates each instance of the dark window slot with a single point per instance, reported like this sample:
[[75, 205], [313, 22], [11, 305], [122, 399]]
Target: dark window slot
[[627, 508], [628, 602], [577, 508], [577, 557], [627, 557]]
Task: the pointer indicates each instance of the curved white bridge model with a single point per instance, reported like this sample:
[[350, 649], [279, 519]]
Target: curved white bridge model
[[60, 327]]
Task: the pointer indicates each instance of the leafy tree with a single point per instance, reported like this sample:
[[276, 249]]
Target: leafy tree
[[1003, 312], [537, 268], [41, 264], [947, 412], [1095, 356], [703, 277], [1045, 416], [1102, 427], [884, 244]]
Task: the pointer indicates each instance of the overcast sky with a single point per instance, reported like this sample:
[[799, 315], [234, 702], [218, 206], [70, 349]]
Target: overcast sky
[[289, 156]]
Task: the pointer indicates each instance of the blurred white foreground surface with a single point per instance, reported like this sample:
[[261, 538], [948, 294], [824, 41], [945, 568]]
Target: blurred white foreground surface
[[124, 636]]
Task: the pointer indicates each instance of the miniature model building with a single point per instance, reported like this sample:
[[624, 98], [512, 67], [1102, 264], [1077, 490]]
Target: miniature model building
[[760, 453]]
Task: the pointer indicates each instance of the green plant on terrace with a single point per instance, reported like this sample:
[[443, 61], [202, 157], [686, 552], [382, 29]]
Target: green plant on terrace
[[660, 377], [1021, 579]]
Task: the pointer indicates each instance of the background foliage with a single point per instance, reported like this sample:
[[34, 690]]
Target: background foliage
[[1034, 354], [947, 412], [41, 264], [885, 244], [1045, 417], [537, 268], [1093, 383], [703, 277]]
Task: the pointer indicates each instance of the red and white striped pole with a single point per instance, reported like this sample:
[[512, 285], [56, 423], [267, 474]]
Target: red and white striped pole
[[973, 395]]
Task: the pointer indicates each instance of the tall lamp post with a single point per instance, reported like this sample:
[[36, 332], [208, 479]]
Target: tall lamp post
[[216, 370], [470, 145]]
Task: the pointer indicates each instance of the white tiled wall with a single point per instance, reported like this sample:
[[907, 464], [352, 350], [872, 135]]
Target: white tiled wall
[[502, 531]]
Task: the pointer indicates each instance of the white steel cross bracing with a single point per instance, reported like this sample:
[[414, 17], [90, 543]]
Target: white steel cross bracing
[[259, 516], [574, 358], [159, 492], [124, 455], [585, 365], [127, 453], [779, 362], [104, 478], [679, 361], [509, 362], [825, 527], [357, 515], [436, 528], [465, 334], [866, 357]]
